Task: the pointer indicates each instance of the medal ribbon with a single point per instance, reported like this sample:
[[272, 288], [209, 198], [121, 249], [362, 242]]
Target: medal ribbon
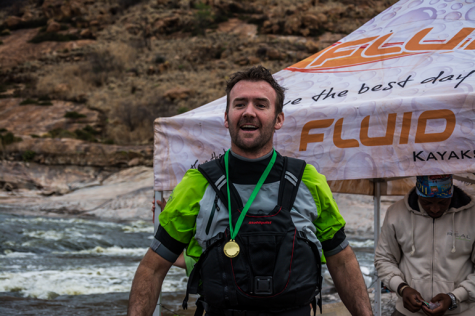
[[235, 230]]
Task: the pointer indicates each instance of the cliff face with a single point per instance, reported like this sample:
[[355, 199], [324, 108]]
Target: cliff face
[[81, 81]]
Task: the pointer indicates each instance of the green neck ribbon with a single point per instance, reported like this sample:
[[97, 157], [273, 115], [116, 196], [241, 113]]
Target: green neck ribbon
[[235, 230]]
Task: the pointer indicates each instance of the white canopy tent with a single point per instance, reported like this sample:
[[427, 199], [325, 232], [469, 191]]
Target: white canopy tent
[[392, 100]]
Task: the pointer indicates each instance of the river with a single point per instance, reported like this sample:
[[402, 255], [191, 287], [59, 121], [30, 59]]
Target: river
[[56, 266]]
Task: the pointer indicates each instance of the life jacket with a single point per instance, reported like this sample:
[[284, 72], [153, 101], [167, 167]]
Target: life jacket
[[278, 267]]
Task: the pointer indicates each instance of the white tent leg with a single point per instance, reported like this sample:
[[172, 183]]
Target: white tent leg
[[158, 309], [377, 230], [158, 197]]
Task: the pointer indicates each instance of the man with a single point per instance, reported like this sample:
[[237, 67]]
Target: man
[[426, 249], [228, 250]]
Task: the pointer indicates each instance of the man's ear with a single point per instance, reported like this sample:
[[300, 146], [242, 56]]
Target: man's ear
[[279, 121], [226, 124]]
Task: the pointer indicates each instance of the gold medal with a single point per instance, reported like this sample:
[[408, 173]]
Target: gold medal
[[231, 249]]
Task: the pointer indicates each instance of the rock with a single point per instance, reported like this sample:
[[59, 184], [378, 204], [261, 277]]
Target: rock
[[27, 16], [163, 66], [151, 70], [61, 88], [53, 27], [292, 25], [274, 54], [86, 33], [179, 93], [238, 27], [59, 10], [310, 20], [9, 187], [253, 60], [134, 162], [328, 39], [312, 46], [12, 21]]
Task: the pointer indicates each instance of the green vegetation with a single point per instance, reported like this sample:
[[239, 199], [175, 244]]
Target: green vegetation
[[28, 155], [34, 136], [160, 59], [74, 115], [36, 102], [8, 138], [44, 98], [5, 32], [61, 133], [204, 18], [1, 42], [28, 101], [53, 37], [183, 109], [87, 133]]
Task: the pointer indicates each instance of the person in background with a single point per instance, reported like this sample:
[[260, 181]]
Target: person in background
[[426, 251]]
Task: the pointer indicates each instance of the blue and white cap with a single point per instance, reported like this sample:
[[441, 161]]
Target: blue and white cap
[[437, 186]]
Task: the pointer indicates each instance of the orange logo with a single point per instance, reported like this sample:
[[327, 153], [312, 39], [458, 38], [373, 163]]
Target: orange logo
[[376, 49], [421, 135]]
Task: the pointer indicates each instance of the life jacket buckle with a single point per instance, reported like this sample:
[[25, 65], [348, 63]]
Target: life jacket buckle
[[263, 285]]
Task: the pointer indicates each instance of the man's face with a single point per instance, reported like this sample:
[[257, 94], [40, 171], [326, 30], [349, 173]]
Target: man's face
[[435, 207], [251, 118]]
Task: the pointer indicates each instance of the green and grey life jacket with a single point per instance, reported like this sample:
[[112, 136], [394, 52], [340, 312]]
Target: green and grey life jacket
[[279, 266]]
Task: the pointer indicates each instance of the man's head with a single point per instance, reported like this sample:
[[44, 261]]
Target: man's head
[[435, 193], [254, 74], [253, 111]]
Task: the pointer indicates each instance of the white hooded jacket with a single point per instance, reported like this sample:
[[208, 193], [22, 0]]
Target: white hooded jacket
[[431, 255]]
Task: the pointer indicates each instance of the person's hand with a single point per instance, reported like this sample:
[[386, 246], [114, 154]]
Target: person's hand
[[161, 203], [412, 299], [444, 301]]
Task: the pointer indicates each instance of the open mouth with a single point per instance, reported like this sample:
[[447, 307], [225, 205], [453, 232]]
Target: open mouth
[[248, 127]]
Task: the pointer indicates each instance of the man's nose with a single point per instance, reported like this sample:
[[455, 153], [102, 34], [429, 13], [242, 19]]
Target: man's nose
[[249, 110]]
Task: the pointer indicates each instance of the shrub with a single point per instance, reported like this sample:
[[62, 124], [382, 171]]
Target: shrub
[[74, 115], [61, 133], [183, 109], [160, 59], [53, 37], [45, 103], [28, 101], [30, 24], [87, 133], [5, 32], [9, 138], [34, 136], [28, 155], [3, 130], [44, 98], [1, 42]]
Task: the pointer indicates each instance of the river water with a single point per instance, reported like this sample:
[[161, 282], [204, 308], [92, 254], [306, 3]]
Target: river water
[[57, 266]]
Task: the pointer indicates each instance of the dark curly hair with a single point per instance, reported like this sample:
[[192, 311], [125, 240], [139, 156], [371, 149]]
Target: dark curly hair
[[257, 73]]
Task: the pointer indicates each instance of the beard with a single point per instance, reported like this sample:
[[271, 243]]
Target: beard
[[265, 136]]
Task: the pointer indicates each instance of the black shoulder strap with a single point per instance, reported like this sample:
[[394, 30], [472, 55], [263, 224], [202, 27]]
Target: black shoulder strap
[[289, 184], [214, 172]]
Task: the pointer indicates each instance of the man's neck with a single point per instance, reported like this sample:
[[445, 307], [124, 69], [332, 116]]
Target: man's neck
[[251, 154], [251, 159]]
